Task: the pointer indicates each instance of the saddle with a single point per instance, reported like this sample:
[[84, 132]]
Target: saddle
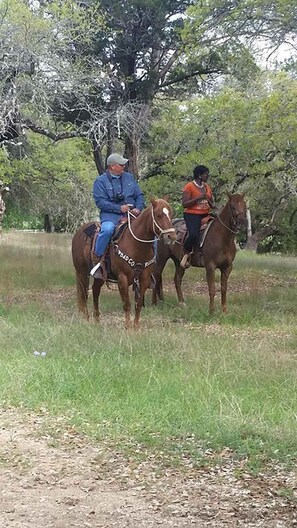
[[92, 232], [181, 229]]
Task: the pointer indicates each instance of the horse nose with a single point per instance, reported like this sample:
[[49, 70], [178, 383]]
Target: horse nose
[[170, 238]]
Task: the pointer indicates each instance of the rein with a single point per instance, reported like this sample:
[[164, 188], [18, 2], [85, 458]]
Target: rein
[[162, 231], [227, 227]]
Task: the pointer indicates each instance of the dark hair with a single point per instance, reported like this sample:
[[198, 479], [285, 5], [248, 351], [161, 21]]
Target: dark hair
[[199, 170]]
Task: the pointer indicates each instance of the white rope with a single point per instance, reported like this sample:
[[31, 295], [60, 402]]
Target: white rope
[[134, 236], [162, 231]]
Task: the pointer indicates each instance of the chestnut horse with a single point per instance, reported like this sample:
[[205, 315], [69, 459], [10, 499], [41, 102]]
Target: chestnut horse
[[218, 251], [131, 258]]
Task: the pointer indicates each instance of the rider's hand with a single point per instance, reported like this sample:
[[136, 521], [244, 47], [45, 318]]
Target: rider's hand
[[135, 211], [125, 208]]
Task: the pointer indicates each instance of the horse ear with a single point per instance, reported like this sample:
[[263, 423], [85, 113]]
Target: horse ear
[[243, 194], [153, 202], [166, 197], [229, 195]]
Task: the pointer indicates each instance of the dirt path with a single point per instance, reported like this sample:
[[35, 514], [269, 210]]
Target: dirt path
[[51, 476]]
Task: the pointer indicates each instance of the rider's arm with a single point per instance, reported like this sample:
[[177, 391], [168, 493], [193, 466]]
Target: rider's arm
[[187, 201]]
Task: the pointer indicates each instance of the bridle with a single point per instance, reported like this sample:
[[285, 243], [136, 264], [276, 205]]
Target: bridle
[[233, 220], [229, 228], [155, 225]]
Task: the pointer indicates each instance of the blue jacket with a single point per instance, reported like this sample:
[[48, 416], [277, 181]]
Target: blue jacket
[[107, 187]]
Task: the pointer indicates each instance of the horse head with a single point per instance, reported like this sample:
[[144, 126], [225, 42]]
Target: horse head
[[238, 209], [162, 220]]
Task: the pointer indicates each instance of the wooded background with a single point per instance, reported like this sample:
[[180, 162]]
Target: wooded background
[[170, 84]]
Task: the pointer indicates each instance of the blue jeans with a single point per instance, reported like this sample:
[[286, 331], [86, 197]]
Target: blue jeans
[[155, 244], [104, 237]]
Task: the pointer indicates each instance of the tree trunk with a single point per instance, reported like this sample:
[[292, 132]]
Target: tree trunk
[[48, 224], [132, 145], [98, 157], [254, 240], [249, 222]]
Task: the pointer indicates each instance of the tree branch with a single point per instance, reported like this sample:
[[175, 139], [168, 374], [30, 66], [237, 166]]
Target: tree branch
[[55, 137], [188, 76]]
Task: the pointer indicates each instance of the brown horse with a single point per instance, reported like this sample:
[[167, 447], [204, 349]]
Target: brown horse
[[131, 257], [218, 251]]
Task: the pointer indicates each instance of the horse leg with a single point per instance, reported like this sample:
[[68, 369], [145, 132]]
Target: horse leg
[[210, 276], [158, 289], [225, 272], [124, 292], [96, 288], [139, 303], [179, 273], [82, 285]]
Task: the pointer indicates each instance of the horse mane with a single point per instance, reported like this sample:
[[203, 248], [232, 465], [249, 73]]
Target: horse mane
[[157, 204], [160, 203]]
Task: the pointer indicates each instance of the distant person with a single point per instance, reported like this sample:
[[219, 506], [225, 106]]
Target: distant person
[[197, 201], [3, 190], [115, 193]]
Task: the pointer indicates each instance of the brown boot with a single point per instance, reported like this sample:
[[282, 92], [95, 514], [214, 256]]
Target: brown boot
[[95, 259]]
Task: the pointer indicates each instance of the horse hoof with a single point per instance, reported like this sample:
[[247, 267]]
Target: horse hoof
[[182, 304]]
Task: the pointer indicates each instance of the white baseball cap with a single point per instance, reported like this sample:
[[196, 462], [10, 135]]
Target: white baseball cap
[[116, 159]]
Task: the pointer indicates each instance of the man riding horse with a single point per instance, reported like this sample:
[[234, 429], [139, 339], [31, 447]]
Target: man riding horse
[[115, 193]]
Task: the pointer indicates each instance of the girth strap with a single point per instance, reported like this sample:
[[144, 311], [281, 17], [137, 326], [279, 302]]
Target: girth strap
[[137, 270]]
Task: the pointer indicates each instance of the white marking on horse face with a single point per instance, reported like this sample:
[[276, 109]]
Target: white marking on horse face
[[165, 211]]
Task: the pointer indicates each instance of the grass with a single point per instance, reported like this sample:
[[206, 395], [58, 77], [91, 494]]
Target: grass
[[184, 383]]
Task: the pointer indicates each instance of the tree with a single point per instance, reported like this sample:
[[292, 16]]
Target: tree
[[51, 185], [247, 138], [93, 68]]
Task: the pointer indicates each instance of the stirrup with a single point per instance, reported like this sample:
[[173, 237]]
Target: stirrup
[[184, 261], [94, 269]]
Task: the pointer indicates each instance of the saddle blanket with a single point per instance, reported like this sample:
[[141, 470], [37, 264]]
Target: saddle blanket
[[181, 229]]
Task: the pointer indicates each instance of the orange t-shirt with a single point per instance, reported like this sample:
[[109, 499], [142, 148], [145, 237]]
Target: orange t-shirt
[[194, 191]]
